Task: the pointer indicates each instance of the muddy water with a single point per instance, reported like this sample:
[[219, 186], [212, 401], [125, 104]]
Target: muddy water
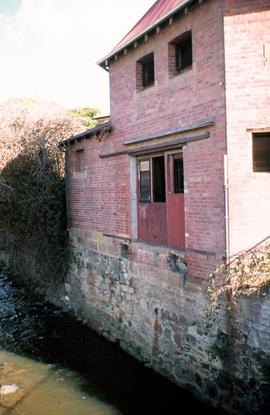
[[56, 366], [42, 389]]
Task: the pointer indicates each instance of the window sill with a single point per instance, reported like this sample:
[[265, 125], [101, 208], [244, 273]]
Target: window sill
[[182, 71], [152, 202], [145, 88]]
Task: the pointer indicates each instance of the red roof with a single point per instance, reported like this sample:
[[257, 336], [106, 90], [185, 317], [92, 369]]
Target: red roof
[[160, 10]]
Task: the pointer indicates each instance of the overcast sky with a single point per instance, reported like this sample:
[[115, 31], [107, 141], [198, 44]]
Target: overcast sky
[[49, 48]]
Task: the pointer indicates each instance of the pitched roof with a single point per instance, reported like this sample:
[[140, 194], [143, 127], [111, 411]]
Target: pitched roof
[[160, 11], [88, 133]]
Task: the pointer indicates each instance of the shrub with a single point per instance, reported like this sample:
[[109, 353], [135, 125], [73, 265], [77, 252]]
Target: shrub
[[32, 189], [247, 274]]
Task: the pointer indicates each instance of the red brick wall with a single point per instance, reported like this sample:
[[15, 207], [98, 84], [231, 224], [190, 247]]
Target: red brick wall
[[98, 197], [101, 199], [247, 51]]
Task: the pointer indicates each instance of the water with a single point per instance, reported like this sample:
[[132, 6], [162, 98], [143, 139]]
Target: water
[[44, 389], [60, 367]]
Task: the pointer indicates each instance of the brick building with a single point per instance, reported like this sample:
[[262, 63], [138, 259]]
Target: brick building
[[190, 101], [180, 175]]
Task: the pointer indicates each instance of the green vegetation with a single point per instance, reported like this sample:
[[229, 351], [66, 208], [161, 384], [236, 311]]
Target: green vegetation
[[32, 188], [85, 115]]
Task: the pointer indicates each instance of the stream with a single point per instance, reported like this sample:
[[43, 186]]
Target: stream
[[50, 364]]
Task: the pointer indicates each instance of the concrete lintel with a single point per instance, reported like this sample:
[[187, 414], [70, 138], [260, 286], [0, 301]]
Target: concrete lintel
[[194, 126]]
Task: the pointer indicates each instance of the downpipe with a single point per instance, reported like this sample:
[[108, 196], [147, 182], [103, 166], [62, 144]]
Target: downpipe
[[226, 213]]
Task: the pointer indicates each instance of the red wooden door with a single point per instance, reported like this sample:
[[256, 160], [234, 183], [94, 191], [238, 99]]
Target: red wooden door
[[152, 212], [175, 200]]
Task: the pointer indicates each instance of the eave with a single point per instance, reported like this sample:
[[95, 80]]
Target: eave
[[166, 19], [96, 131]]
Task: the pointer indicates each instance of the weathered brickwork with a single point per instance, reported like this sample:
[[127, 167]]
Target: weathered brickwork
[[179, 101], [154, 311], [99, 197]]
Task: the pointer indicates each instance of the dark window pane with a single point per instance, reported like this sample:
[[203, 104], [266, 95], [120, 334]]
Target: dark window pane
[[183, 52], [158, 179], [261, 152], [178, 174], [144, 181], [148, 76]]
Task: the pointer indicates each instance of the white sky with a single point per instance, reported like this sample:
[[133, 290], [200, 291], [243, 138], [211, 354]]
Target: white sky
[[49, 48]]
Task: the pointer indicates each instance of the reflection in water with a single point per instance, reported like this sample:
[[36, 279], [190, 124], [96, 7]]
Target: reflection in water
[[44, 389], [62, 367]]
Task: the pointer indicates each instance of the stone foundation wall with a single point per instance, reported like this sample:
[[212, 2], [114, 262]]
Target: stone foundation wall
[[141, 297]]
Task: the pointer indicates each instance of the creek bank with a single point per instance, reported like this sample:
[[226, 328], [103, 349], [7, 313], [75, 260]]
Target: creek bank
[[31, 327], [157, 315]]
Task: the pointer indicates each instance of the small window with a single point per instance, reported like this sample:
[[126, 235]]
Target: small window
[[145, 72], [178, 173], [261, 152], [144, 181], [180, 54], [183, 53], [152, 180]]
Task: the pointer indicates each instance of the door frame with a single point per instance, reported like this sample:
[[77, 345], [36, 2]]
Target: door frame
[[169, 194]]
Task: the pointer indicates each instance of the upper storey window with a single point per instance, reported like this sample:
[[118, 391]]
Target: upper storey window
[[180, 54], [261, 152], [145, 72]]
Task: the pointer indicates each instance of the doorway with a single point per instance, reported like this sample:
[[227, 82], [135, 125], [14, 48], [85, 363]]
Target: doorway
[[161, 199]]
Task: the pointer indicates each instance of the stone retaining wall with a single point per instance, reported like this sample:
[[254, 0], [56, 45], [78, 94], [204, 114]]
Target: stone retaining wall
[[140, 296]]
